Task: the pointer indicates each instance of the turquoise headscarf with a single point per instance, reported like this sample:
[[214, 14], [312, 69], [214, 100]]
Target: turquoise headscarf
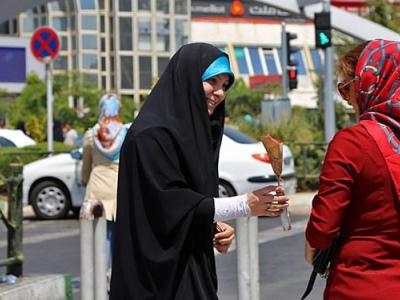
[[219, 66]]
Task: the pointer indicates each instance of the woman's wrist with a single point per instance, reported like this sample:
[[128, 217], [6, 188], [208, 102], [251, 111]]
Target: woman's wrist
[[231, 208]]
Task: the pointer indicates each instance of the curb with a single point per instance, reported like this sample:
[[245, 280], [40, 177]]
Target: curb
[[39, 287]]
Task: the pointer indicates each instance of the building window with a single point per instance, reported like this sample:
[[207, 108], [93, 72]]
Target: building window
[[89, 61], [89, 41], [241, 60], [181, 7], [103, 64], [104, 82], [5, 27], [163, 35], [102, 23], [181, 33], [270, 62], [144, 4], [64, 43], [71, 4], [126, 72], [58, 5], [103, 44], [125, 5], [88, 4], [316, 59], [60, 23], [145, 77], [61, 63], [74, 42], [163, 6], [301, 69], [28, 24], [125, 33], [255, 61], [162, 63], [101, 4], [89, 22], [72, 23], [74, 62], [144, 27]]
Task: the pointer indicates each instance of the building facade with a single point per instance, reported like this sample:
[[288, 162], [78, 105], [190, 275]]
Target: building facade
[[120, 45]]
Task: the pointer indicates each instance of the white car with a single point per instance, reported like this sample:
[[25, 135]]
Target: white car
[[52, 185], [14, 138]]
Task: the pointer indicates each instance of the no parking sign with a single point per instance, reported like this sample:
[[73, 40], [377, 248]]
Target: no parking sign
[[45, 44]]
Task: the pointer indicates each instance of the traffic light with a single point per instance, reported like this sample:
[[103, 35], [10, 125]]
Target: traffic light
[[291, 63], [323, 34], [292, 75]]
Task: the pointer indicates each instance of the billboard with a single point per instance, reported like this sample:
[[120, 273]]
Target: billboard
[[16, 62], [12, 64]]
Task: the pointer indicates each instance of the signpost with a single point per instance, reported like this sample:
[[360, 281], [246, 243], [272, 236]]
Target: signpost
[[45, 45]]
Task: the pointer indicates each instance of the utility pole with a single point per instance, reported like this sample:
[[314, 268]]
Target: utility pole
[[329, 105], [284, 62]]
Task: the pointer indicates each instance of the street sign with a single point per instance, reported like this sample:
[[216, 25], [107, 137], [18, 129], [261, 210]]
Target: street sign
[[45, 44]]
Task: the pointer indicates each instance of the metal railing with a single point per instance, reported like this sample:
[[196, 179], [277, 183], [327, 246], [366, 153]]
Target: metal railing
[[308, 162], [13, 221]]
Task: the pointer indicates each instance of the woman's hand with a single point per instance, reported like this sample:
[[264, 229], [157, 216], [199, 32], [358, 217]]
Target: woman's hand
[[268, 201], [223, 239], [309, 253]]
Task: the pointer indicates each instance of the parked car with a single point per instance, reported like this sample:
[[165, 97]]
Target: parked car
[[14, 138], [52, 185]]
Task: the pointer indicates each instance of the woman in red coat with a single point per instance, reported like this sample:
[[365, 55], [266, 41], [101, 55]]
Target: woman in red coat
[[359, 189]]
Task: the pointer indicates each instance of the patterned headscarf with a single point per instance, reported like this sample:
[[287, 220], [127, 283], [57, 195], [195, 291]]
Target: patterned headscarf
[[377, 86], [109, 133]]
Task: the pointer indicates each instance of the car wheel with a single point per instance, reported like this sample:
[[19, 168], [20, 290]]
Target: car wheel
[[225, 189], [50, 200]]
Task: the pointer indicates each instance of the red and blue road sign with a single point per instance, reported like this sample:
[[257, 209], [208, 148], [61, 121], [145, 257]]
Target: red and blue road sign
[[45, 43]]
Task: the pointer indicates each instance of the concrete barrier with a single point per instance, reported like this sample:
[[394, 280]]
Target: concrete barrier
[[38, 287]]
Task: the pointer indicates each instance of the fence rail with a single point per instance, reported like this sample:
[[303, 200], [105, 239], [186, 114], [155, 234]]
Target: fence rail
[[308, 162], [13, 220]]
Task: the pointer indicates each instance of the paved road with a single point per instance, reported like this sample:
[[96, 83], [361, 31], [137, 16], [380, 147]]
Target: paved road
[[53, 247]]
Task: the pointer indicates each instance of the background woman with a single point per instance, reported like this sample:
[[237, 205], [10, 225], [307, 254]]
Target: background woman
[[101, 147]]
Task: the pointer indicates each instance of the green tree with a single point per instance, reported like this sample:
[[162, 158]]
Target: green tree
[[243, 100], [384, 13]]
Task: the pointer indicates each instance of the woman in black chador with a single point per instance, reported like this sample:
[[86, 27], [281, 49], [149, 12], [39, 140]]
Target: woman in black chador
[[167, 210]]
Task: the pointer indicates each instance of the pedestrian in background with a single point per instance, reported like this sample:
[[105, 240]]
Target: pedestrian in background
[[101, 147], [168, 185], [2, 123], [359, 187], [71, 136]]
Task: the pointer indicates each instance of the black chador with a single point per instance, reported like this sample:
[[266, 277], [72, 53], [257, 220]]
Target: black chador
[[167, 180]]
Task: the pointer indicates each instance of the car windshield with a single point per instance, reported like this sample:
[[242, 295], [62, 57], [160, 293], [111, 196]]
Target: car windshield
[[238, 136], [6, 142]]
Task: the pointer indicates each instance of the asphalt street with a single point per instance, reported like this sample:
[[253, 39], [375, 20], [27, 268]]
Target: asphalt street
[[53, 247]]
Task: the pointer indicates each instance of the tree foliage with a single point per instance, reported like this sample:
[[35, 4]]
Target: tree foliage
[[384, 13], [30, 105]]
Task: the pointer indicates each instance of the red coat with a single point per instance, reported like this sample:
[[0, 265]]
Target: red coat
[[356, 197]]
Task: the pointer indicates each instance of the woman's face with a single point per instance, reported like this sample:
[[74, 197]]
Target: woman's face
[[347, 91], [214, 89]]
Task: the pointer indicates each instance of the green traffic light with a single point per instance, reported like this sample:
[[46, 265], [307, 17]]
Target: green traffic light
[[323, 38]]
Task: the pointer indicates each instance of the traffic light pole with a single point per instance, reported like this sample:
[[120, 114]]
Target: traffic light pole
[[284, 63], [329, 106]]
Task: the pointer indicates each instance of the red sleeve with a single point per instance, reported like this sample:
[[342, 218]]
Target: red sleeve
[[342, 163]]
